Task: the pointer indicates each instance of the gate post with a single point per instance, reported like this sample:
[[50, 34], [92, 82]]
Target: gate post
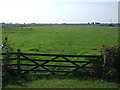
[[104, 65], [18, 61]]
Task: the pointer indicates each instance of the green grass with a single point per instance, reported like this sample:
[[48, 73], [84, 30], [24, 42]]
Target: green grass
[[64, 83], [61, 39], [59, 81]]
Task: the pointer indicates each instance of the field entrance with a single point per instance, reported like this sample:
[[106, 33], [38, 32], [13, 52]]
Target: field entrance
[[53, 63]]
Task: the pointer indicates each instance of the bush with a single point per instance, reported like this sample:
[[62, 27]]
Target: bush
[[6, 49], [7, 71], [111, 55]]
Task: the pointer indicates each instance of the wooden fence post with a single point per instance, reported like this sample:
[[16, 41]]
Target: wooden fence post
[[18, 60], [104, 65]]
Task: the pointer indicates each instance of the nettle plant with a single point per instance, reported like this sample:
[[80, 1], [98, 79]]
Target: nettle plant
[[6, 49], [6, 46], [7, 71]]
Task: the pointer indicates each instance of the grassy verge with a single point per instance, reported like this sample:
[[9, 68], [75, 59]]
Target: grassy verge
[[60, 82]]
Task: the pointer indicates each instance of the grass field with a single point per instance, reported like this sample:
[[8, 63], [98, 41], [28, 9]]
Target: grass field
[[65, 83], [61, 39]]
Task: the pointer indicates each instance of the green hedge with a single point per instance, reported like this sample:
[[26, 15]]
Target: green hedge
[[111, 60]]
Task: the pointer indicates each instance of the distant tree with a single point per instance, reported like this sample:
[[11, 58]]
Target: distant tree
[[97, 23], [92, 23], [111, 25], [63, 23], [3, 23], [33, 23]]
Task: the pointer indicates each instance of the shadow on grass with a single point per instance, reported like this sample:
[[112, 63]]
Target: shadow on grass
[[22, 80], [15, 79]]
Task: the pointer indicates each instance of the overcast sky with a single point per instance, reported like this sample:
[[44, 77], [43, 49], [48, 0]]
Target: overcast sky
[[58, 11]]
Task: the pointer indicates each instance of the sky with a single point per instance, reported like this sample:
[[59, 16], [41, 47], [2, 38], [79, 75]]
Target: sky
[[58, 11]]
